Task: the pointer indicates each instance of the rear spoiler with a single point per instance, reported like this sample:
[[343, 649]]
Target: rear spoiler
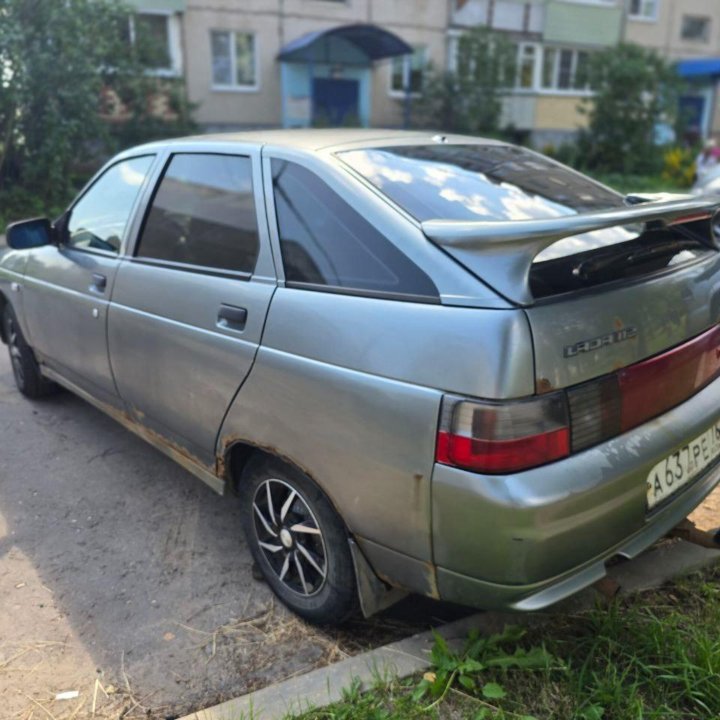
[[507, 248]]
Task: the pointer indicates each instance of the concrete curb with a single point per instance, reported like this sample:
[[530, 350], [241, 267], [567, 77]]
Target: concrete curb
[[325, 686]]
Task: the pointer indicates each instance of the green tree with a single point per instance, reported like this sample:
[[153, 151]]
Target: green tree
[[61, 63], [469, 99], [634, 89]]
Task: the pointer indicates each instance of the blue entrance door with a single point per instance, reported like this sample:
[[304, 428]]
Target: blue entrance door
[[692, 112], [335, 101]]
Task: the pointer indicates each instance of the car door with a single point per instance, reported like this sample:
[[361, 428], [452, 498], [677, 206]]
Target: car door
[[189, 305], [67, 286]]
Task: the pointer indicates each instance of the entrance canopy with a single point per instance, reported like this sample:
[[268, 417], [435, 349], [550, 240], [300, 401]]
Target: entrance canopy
[[357, 44], [699, 67]]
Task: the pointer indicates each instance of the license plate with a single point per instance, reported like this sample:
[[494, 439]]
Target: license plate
[[683, 466]]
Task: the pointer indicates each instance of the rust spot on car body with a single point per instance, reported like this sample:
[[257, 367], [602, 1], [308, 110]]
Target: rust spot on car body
[[181, 455], [543, 385]]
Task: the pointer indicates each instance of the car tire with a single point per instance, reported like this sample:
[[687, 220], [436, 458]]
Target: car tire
[[28, 378], [298, 541]]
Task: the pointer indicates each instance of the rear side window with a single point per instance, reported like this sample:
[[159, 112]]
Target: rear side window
[[326, 243], [203, 214]]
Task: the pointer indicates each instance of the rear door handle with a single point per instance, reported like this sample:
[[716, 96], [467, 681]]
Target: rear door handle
[[99, 283], [231, 317]]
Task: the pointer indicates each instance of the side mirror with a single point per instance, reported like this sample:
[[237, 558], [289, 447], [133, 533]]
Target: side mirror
[[29, 234]]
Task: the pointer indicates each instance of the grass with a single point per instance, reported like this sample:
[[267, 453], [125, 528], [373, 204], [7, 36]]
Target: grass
[[653, 656]]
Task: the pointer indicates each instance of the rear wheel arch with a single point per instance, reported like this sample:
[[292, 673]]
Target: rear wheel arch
[[240, 456]]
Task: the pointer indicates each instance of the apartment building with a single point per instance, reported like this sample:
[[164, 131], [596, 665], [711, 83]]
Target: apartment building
[[687, 31], [255, 63], [292, 63], [554, 39]]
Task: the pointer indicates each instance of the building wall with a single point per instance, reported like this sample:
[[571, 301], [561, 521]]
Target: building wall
[[558, 113], [277, 22], [511, 15], [663, 33]]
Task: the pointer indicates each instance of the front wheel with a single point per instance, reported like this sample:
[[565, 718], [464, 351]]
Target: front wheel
[[298, 541], [28, 378]]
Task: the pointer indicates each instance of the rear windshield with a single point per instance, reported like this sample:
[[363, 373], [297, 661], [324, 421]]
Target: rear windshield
[[478, 182], [495, 182], [490, 182]]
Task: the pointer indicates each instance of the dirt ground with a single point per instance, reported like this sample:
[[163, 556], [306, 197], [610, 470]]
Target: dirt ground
[[707, 516]]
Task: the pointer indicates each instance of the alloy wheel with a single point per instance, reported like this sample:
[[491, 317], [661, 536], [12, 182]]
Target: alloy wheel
[[289, 537]]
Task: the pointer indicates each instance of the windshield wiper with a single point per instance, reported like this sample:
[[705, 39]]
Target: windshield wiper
[[592, 266]]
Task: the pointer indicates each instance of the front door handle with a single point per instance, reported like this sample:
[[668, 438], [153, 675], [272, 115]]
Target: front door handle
[[231, 317], [99, 283]]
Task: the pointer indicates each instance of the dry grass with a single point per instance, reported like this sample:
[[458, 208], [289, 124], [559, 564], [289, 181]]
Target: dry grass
[[95, 701]]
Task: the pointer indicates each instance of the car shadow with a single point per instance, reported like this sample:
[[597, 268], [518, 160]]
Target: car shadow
[[148, 566]]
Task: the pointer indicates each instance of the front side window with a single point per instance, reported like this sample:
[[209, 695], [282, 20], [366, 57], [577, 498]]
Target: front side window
[[234, 62], [407, 72], [695, 28], [99, 219], [203, 214], [326, 243]]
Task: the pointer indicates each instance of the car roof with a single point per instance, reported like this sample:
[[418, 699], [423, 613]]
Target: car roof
[[313, 140]]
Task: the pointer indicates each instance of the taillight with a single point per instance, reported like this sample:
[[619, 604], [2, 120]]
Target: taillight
[[595, 412], [503, 437], [651, 387]]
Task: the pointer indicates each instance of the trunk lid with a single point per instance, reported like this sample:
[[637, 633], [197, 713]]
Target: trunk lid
[[604, 308], [581, 337]]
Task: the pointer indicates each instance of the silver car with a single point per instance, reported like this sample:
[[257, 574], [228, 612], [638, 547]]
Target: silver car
[[428, 364]]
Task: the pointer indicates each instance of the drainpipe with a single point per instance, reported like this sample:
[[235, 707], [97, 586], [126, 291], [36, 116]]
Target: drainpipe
[[407, 107], [283, 75]]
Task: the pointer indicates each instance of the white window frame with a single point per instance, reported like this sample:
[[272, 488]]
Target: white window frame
[[644, 16], [537, 68], [234, 87], [554, 90], [407, 60], [174, 48]]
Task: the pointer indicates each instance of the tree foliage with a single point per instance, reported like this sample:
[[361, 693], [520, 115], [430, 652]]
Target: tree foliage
[[634, 90], [470, 98], [62, 65]]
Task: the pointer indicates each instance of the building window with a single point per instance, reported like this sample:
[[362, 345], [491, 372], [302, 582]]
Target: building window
[[527, 55], [643, 9], [407, 72], [695, 28], [564, 69], [234, 60], [156, 39]]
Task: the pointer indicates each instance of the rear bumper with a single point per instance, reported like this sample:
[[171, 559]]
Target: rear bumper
[[528, 540]]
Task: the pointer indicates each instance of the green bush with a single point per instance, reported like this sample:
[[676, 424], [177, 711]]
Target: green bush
[[634, 90], [60, 62]]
